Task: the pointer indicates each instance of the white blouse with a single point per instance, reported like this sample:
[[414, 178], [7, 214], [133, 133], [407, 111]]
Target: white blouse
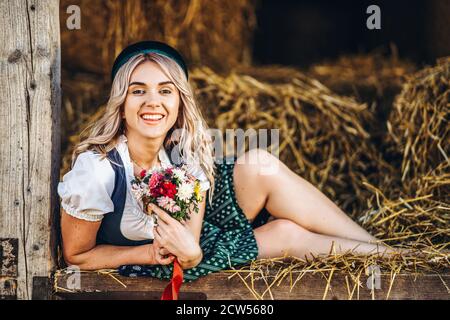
[[86, 191]]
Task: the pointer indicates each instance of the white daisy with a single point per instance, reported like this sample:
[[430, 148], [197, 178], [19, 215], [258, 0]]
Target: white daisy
[[179, 174], [185, 191]]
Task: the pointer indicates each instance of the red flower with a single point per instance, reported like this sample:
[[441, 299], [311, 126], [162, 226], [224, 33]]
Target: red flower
[[157, 192], [142, 174], [169, 189]]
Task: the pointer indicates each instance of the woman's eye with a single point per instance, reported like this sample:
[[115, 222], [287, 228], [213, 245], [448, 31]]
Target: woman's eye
[[140, 91]]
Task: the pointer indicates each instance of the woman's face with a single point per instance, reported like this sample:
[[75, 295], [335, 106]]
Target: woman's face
[[152, 102]]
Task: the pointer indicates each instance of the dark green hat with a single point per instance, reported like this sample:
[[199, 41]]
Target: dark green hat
[[147, 47]]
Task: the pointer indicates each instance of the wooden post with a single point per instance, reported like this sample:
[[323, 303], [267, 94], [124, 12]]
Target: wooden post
[[29, 143]]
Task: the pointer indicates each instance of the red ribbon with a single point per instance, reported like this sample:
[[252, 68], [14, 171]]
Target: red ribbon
[[173, 288]]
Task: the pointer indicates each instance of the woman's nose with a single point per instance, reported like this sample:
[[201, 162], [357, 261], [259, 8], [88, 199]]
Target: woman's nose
[[152, 98]]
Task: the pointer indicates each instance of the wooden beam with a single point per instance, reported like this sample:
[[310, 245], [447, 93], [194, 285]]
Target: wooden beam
[[29, 144], [219, 286]]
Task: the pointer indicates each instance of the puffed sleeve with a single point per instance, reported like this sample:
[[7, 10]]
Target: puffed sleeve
[[86, 190], [198, 172]]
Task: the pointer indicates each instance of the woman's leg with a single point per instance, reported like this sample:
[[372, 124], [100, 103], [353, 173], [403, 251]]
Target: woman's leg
[[288, 196], [284, 237]]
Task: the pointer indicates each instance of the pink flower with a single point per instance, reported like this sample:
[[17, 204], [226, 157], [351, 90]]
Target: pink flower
[[154, 180], [169, 170], [168, 204]]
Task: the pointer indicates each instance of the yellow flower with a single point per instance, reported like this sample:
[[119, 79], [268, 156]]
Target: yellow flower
[[197, 191]]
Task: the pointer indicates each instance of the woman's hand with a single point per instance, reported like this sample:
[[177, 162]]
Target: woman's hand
[[176, 238], [159, 254]]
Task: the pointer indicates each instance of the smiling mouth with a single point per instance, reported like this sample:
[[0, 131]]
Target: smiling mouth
[[152, 118]]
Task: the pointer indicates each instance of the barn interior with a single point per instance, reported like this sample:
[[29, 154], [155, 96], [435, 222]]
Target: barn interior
[[363, 114]]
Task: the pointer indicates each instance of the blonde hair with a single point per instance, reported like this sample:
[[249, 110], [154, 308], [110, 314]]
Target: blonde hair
[[193, 143]]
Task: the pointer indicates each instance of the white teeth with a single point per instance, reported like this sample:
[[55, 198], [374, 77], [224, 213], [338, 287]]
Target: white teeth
[[152, 116]]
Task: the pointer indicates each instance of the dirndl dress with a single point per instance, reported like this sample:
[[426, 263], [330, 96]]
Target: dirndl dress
[[227, 238]]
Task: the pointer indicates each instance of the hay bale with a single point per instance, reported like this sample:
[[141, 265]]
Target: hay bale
[[419, 132], [213, 33], [322, 138]]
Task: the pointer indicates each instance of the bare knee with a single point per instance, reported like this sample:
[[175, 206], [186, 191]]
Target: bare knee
[[290, 231], [280, 237]]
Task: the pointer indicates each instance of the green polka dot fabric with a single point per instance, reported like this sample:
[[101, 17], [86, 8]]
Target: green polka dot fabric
[[227, 238]]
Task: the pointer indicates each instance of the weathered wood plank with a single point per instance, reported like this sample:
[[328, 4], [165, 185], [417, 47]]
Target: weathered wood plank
[[218, 286], [29, 145]]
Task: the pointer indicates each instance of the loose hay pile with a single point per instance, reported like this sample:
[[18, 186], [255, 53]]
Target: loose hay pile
[[274, 272]]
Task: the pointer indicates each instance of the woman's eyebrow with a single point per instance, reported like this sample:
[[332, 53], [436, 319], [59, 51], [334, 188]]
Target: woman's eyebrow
[[143, 84]]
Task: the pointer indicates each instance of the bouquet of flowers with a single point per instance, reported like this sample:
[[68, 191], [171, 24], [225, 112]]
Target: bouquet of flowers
[[176, 192], [171, 188]]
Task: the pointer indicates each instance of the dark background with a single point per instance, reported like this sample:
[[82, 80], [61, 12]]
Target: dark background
[[302, 32]]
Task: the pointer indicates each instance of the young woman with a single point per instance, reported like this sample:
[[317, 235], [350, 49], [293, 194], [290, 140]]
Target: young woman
[[103, 226]]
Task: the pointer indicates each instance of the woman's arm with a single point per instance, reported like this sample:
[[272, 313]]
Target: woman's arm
[[80, 249], [194, 224], [174, 237]]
